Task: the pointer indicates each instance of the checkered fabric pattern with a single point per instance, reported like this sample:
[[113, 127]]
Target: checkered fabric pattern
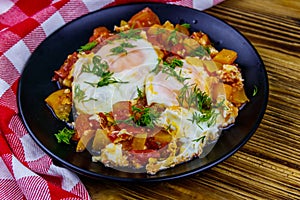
[[26, 172]]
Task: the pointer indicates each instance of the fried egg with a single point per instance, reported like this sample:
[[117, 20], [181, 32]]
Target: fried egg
[[129, 67], [164, 89]]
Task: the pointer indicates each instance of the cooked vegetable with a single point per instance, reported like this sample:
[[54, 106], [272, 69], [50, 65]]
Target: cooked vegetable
[[225, 56], [101, 140], [139, 140], [84, 139], [61, 103], [144, 18]]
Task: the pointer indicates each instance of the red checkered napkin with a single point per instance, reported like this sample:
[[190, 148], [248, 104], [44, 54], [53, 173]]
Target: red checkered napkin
[[26, 172]]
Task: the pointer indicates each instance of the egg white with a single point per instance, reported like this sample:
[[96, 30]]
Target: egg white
[[131, 68]]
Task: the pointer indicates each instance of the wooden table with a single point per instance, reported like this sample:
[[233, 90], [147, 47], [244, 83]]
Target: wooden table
[[268, 166]]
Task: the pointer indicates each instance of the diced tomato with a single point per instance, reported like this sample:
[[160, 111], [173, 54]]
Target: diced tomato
[[65, 69], [112, 136], [122, 110], [142, 156], [83, 123], [100, 34], [144, 18]]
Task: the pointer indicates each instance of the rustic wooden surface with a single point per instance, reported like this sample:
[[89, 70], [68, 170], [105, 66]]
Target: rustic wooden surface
[[268, 166]]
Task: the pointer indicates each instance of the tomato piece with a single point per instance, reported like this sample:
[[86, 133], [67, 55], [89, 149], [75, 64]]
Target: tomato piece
[[142, 156], [82, 124], [144, 18], [64, 70], [122, 110], [100, 34]]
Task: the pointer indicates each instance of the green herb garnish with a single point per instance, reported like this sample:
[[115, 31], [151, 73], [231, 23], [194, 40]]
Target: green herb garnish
[[87, 46], [186, 25], [173, 38], [64, 135], [191, 96], [255, 90], [131, 34], [106, 79], [99, 68], [208, 116], [142, 117], [199, 139], [140, 93], [200, 51], [121, 49], [79, 94], [174, 63], [169, 69], [145, 117]]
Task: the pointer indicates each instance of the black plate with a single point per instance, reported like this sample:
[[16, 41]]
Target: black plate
[[35, 85]]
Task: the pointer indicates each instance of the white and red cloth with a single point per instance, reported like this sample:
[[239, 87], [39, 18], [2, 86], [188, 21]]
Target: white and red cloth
[[26, 172]]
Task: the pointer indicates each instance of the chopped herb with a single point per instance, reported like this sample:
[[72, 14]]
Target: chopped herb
[[99, 67], [140, 93], [106, 79], [87, 46], [186, 25], [199, 139], [255, 90], [79, 94], [64, 135], [191, 96], [203, 100], [121, 49], [144, 116], [208, 116], [199, 51], [169, 68], [174, 63], [169, 127], [173, 38], [131, 34], [221, 104], [213, 119]]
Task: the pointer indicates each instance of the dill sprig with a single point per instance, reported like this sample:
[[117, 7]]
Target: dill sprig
[[87, 46], [99, 68], [199, 139], [106, 79], [134, 34], [169, 69], [191, 96], [121, 49], [255, 90], [145, 116]]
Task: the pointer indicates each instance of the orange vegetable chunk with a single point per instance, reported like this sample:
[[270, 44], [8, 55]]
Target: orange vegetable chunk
[[101, 140], [61, 103], [138, 142], [84, 140], [226, 56]]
